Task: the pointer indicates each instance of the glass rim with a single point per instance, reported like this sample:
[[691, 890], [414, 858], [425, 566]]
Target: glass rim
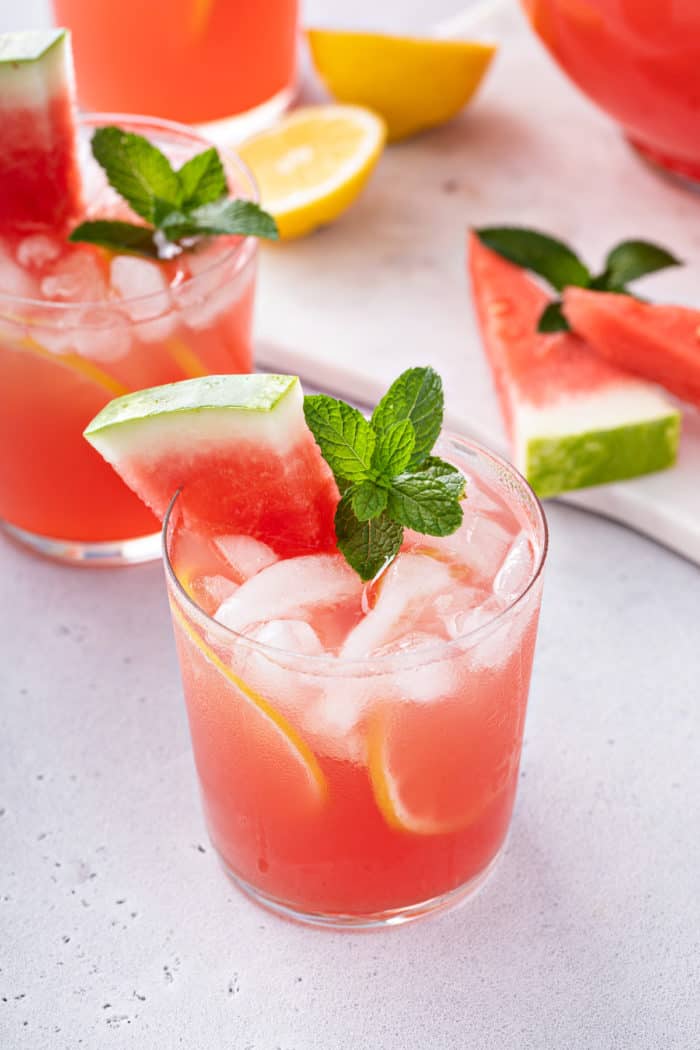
[[241, 252], [322, 663]]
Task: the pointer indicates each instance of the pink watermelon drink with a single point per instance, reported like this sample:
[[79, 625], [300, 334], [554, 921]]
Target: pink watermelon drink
[[82, 322], [357, 742]]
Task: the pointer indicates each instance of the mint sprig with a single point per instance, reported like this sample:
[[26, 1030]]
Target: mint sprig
[[385, 471], [558, 264], [178, 205]]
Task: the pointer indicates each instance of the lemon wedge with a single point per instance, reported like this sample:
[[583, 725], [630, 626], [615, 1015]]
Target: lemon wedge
[[312, 166], [301, 764], [413, 83]]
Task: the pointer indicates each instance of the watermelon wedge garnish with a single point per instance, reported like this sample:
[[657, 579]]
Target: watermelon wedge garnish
[[658, 342], [39, 175], [574, 419], [238, 447]]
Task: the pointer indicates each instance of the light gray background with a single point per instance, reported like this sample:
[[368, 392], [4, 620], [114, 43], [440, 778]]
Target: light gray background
[[118, 930]]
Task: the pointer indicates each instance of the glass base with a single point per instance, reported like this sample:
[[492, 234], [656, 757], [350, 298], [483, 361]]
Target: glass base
[[229, 131], [78, 552], [373, 921], [683, 173]]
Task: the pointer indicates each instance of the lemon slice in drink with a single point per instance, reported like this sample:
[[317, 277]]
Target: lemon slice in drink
[[312, 166], [436, 767], [296, 758], [413, 83]]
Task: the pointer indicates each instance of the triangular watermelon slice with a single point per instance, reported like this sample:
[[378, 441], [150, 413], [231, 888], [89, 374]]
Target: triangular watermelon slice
[[574, 420], [658, 342], [39, 175], [238, 447]]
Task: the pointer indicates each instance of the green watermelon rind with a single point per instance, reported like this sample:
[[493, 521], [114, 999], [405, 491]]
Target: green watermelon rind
[[237, 393], [24, 47], [596, 457]]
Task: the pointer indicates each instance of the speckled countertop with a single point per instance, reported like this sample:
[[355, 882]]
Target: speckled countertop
[[118, 930]]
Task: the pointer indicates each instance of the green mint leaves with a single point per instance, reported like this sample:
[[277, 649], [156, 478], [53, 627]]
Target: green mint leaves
[[384, 469], [178, 204], [555, 261]]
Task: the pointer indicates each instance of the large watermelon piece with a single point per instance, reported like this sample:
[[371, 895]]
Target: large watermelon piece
[[39, 175], [238, 447], [574, 419], [660, 343]]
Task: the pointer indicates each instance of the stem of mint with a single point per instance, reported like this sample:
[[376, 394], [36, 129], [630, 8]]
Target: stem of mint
[[178, 205], [384, 468]]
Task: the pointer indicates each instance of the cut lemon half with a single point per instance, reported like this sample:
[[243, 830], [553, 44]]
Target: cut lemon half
[[312, 166], [436, 767], [413, 83], [300, 755]]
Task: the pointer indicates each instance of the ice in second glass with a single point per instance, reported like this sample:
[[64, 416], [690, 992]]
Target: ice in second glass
[[358, 745]]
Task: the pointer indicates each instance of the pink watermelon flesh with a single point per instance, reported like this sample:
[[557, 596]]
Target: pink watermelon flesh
[[527, 365], [39, 174], [257, 473], [660, 343]]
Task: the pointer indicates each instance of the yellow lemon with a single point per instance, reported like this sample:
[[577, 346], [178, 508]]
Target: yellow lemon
[[312, 166], [413, 83]]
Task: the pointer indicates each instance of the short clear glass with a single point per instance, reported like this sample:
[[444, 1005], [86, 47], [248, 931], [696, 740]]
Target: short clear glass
[[371, 791], [61, 361]]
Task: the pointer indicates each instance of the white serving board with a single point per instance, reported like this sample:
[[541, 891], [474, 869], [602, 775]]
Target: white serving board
[[385, 287]]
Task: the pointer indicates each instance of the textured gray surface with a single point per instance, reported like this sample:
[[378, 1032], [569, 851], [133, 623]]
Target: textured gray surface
[[118, 930]]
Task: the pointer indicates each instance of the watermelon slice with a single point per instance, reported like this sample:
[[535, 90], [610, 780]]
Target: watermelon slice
[[660, 343], [574, 420], [39, 175], [238, 447]]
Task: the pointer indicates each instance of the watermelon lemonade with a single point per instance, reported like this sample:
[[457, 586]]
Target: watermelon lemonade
[[358, 745], [356, 678]]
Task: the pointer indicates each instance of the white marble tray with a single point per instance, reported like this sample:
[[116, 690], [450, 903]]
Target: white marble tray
[[385, 287]]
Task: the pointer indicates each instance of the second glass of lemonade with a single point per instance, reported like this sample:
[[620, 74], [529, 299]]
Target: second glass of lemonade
[[79, 326]]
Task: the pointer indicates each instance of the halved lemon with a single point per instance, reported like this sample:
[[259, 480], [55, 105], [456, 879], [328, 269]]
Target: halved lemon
[[413, 83], [300, 763], [312, 166]]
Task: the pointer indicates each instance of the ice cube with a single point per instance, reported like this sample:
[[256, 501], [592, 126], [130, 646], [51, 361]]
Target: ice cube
[[35, 251], [411, 583], [291, 589], [212, 289], [13, 279], [245, 555], [479, 499], [425, 677], [210, 591], [145, 294], [291, 636], [486, 546], [102, 335], [279, 675], [77, 278], [465, 609], [515, 571]]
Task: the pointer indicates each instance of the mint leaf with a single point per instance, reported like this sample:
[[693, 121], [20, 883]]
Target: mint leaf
[[368, 500], [394, 448], [202, 179], [366, 545], [416, 396], [241, 217], [424, 503], [551, 259], [452, 478], [552, 318], [633, 259], [117, 236], [138, 171], [343, 434]]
